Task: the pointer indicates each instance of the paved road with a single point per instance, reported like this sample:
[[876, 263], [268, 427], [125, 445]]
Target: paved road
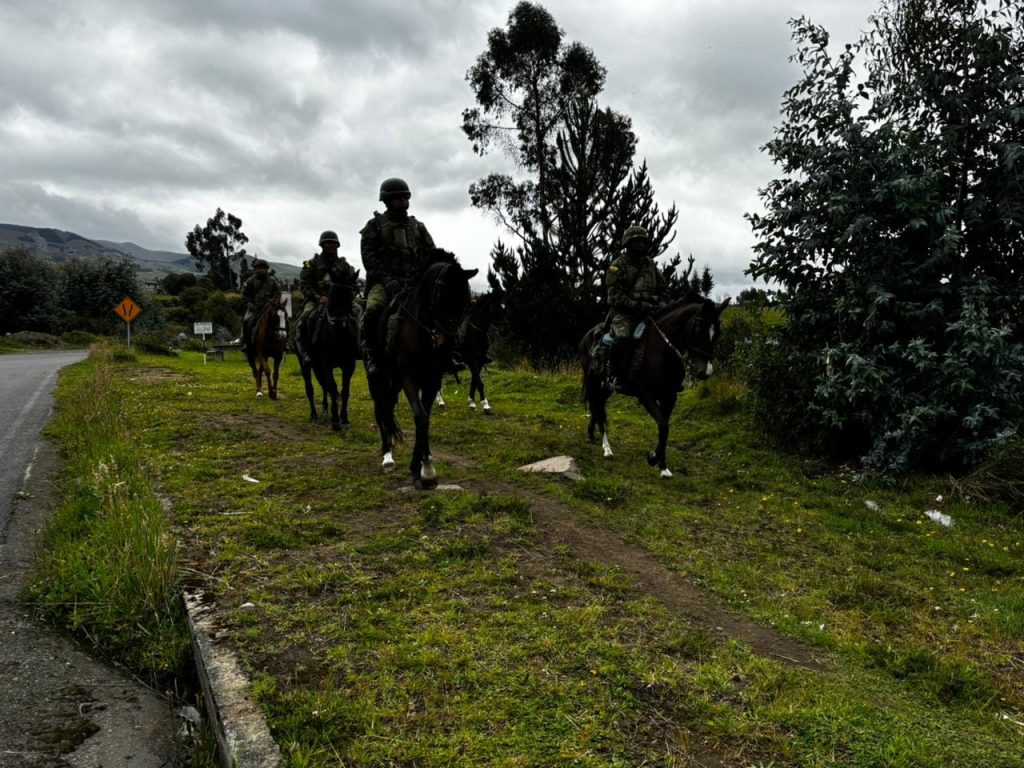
[[59, 708], [26, 397]]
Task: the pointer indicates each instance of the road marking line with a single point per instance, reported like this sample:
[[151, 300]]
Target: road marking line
[[28, 406]]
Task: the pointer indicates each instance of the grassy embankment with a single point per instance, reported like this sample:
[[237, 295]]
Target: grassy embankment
[[390, 627]]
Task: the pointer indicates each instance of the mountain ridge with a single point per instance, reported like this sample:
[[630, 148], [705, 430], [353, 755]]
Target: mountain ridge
[[59, 245]]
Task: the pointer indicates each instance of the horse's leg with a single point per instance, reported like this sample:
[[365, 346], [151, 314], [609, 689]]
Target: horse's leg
[[473, 379], [325, 378], [421, 402], [597, 399], [384, 413], [272, 382], [440, 400], [347, 368], [478, 382], [307, 379], [661, 411], [255, 371]]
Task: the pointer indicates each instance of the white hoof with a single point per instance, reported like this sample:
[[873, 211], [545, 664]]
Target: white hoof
[[666, 472], [472, 405], [427, 471], [389, 462], [259, 394], [607, 446], [487, 407]]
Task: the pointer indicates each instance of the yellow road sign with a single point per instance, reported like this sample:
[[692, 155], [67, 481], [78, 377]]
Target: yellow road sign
[[127, 310]]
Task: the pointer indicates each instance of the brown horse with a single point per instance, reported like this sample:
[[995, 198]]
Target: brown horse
[[426, 327], [678, 335], [271, 335]]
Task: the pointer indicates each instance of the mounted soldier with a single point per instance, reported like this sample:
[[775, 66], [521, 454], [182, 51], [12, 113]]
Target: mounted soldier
[[635, 286], [395, 249], [315, 280], [257, 290]]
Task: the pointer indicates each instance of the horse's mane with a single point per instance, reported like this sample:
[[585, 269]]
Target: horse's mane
[[689, 299]]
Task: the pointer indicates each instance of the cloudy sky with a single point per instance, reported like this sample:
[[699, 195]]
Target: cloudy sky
[[133, 121]]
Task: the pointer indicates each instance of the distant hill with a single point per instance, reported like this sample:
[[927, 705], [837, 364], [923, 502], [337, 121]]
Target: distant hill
[[59, 245]]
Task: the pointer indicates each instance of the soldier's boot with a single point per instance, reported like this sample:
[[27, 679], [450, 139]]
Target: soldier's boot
[[246, 335], [618, 364], [300, 342], [371, 343]]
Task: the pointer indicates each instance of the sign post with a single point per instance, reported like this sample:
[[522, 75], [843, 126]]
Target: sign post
[[128, 310], [201, 329]]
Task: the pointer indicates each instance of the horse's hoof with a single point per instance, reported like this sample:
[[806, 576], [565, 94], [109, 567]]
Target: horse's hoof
[[487, 410], [335, 426], [440, 406], [388, 464], [425, 484], [666, 473], [472, 405], [273, 395], [652, 459], [259, 394]]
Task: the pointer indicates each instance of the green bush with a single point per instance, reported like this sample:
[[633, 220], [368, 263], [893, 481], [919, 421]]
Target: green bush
[[154, 344], [79, 338]]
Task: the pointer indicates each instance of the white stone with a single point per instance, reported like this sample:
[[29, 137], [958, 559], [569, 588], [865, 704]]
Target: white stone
[[556, 465]]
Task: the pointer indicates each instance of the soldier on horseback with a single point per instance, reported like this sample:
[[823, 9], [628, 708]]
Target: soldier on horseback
[[315, 280], [258, 289], [395, 248], [635, 285]]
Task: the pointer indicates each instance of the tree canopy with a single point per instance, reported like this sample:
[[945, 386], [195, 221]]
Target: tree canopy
[[536, 101], [895, 235], [219, 246]]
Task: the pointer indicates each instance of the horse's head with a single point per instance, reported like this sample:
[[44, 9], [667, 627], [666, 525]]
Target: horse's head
[[341, 298], [702, 332], [445, 290]]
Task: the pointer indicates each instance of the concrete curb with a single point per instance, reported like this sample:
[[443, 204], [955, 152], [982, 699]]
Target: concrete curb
[[243, 738]]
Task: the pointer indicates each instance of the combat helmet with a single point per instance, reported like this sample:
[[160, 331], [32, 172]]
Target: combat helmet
[[635, 232], [329, 236], [393, 187], [257, 263]]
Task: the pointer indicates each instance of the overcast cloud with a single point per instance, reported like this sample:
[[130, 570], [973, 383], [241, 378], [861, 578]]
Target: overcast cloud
[[135, 121]]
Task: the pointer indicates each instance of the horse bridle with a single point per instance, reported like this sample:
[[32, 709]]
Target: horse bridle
[[440, 327], [690, 348]]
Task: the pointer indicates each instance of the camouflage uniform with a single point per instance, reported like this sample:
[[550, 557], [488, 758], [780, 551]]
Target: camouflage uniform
[[315, 280], [634, 285], [394, 247], [393, 250], [258, 289]]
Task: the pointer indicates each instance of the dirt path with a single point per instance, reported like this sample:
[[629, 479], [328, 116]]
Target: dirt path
[[558, 524]]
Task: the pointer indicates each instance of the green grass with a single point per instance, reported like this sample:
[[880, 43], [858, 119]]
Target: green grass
[[108, 572], [400, 628]]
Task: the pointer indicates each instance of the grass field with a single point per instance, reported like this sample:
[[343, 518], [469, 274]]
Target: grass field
[[755, 610]]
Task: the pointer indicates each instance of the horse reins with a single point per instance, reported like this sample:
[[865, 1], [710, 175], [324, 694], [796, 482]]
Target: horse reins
[[690, 347]]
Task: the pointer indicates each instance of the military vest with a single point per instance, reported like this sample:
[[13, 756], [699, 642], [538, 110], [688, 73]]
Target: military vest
[[399, 247]]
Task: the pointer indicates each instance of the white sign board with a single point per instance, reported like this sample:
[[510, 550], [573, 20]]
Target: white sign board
[[202, 329]]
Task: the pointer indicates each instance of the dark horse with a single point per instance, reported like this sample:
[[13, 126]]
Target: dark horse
[[270, 338], [334, 343], [681, 332], [484, 312], [425, 328]]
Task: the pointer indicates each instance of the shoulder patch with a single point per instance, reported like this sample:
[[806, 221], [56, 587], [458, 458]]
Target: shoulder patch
[[613, 268]]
